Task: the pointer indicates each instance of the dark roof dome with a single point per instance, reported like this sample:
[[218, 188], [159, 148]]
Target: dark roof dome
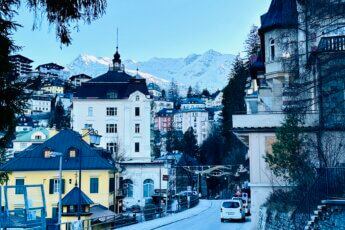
[[117, 57], [281, 14]]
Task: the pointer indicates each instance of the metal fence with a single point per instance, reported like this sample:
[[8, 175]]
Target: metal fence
[[330, 184], [128, 218]]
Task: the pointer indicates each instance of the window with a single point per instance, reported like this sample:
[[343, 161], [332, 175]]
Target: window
[[112, 147], [55, 212], [111, 94], [38, 137], [20, 189], [72, 153], [90, 111], [137, 98], [47, 153], [148, 188], [88, 126], [111, 128], [137, 147], [137, 128], [272, 49], [137, 111], [128, 188], [111, 111], [56, 186], [93, 185]]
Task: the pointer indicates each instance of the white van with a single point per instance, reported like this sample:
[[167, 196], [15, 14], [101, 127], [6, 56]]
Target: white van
[[232, 210], [246, 204]]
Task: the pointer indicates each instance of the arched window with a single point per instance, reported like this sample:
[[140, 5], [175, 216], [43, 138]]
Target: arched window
[[272, 49], [137, 98], [128, 188], [148, 188]]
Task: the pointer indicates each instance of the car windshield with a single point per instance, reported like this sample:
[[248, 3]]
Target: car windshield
[[231, 204]]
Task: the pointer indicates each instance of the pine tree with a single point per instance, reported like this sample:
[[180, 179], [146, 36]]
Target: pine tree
[[252, 43], [205, 93], [190, 144], [190, 92], [233, 95], [59, 118]]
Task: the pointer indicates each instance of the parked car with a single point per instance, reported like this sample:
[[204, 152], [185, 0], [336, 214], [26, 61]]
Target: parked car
[[246, 204], [232, 210]]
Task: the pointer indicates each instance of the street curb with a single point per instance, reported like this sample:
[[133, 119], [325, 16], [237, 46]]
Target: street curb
[[182, 218]]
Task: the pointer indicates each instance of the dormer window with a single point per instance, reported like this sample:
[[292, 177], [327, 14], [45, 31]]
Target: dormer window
[[47, 153], [72, 153], [272, 49], [111, 95]]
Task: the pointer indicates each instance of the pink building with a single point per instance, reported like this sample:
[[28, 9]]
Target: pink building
[[164, 120]]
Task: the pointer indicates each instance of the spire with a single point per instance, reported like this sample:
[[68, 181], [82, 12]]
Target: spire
[[117, 57]]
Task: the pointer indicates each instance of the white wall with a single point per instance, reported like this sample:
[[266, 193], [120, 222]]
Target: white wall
[[125, 120]]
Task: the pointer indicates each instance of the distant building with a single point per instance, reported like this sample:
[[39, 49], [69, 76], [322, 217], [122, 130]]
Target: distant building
[[54, 86], [22, 65], [192, 103], [161, 103], [50, 70], [154, 90], [24, 123], [197, 118], [34, 136], [164, 120], [77, 80], [39, 104]]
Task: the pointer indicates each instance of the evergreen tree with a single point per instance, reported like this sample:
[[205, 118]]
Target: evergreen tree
[[233, 95], [59, 118], [190, 92], [190, 144], [205, 93], [252, 43], [164, 94], [289, 159], [157, 143], [173, 92], [173, 141]]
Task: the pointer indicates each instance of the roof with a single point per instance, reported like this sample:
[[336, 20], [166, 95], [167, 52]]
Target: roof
[[113, 76], [80, 76], [281, 14], [165, 112], [51, 66], [112, 85], [34, 160], [101, 212], [192, 101], [153, 86], [72, 198], [26, 136], [21, 57], [24, 121]]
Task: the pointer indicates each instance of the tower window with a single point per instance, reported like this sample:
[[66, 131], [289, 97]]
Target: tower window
[[272, 49], [137, 98], [137, 147], [137, 128], [137, 111]]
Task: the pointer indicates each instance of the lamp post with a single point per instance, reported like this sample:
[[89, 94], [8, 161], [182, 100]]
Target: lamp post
[[58, 154]]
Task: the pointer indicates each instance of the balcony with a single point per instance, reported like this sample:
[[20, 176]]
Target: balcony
[[332, 44], [268, 120]]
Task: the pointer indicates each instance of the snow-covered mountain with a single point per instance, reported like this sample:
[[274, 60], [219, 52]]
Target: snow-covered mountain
[[207, 70]]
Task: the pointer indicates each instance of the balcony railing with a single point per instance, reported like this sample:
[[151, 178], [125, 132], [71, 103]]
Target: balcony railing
[[332, 44]]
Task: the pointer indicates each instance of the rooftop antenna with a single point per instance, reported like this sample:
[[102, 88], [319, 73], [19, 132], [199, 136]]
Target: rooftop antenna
[[117, 38]]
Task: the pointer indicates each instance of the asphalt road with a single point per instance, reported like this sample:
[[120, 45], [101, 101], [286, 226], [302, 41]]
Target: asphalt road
[[208, 220]]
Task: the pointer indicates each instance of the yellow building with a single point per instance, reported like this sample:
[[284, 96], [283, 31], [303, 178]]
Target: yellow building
[[39, 166]]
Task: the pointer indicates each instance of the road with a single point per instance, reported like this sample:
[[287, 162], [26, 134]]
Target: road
[[208, 220]]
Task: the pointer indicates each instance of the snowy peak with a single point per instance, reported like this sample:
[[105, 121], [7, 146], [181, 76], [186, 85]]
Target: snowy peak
[[207, 70]]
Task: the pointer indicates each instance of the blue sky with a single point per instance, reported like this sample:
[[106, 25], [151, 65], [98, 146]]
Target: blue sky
[[148, 28]]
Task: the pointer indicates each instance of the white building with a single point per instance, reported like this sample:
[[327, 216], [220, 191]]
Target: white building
[[154, 90], [160, 104], [51, 70], [39, 104], [196, 118], [22, 65], [76, 80], [192, 103], [118, 107]]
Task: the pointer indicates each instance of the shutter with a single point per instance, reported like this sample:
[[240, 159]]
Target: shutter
[[111, 184], [51, 186], [63, 186]]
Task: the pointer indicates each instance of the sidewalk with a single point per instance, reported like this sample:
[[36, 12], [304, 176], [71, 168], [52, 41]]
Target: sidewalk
[[153, 224]]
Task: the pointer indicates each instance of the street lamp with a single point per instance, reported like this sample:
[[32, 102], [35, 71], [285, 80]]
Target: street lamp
[[58, 154]]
